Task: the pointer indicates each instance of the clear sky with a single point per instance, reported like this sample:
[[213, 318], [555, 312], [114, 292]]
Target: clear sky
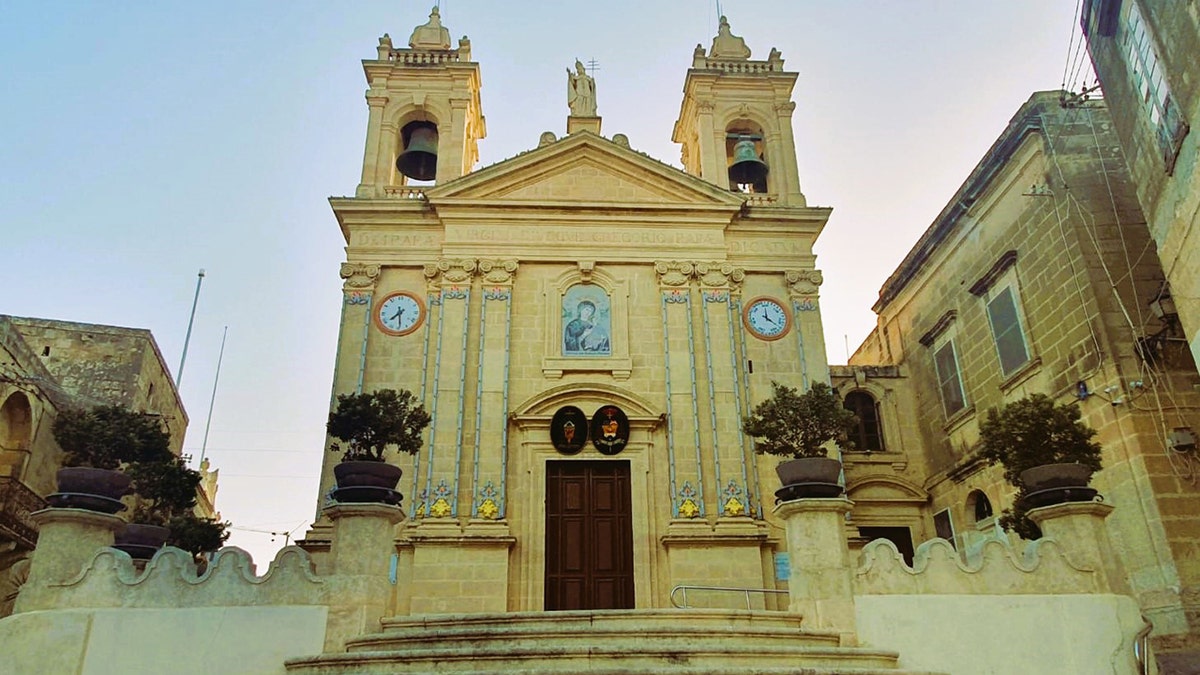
[[140, 142]]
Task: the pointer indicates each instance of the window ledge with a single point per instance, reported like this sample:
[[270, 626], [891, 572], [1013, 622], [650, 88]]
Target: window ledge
[[956, 420], [1023, 373]]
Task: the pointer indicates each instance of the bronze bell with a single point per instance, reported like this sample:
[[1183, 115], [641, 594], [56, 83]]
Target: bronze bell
[[746, 168], [419, 159]]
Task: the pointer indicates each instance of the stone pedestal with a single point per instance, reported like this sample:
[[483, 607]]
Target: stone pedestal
[[820, 582], [1079, 528], [361, 557], [67, 540], [575, 124], [460, 570]]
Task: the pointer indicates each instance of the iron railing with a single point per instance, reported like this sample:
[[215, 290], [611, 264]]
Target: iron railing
[[17, 501], [682, 590]]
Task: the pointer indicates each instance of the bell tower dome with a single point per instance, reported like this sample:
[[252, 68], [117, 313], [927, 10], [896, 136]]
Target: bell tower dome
[[735, 123], [425, 118]]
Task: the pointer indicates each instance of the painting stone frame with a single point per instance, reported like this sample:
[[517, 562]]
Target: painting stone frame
[[556, 359]]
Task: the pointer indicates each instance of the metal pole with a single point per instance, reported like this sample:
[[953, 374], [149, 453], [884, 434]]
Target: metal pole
[[211, 401], [188, 337]]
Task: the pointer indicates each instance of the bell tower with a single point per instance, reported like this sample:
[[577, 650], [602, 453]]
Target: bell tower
[[425, 118], [735, 123]]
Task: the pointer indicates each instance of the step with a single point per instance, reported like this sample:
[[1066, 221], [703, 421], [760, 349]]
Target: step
[[668, 642]]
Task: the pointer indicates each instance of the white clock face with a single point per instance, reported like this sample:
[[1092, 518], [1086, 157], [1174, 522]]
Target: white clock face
[[400, 313], [767, 319]]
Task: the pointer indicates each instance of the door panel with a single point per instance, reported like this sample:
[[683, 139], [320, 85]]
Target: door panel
[[589, 536]]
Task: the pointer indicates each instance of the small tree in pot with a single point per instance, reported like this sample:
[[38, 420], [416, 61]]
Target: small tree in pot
[[791, 424], [97, 442], [166, 511], [1048, 454], [366, 425]]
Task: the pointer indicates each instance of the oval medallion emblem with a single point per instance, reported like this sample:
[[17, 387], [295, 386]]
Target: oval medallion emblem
[[610, 430], [569, 430]]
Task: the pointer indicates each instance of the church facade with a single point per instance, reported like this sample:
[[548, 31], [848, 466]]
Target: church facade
[[580, 283]]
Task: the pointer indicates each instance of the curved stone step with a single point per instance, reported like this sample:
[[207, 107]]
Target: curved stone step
[[663, 642], [663, 630]]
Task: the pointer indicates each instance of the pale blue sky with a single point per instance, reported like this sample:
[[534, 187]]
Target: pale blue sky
[[142, 141]]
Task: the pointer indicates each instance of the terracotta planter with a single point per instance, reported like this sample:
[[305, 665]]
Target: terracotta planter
[[1051, 484], [140, 541], [808, 478], [366, 482], [81, 487]]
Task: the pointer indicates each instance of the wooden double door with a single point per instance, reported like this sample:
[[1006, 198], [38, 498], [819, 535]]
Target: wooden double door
[[589, 535]]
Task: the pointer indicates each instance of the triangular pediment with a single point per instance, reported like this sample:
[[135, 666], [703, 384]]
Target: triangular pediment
[[584, 168]]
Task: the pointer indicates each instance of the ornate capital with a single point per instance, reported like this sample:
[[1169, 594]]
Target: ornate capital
[[498, 271], [719, 274], [359, 276], [786, 108], [674, 272], [450, 271], [804, 282]]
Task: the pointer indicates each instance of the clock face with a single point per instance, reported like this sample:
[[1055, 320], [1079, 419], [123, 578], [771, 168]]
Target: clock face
[[766, 319], [399, 313]]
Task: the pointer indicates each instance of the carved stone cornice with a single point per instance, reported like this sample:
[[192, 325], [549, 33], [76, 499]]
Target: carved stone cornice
[[359, 276], [804, 282], [498, 271]]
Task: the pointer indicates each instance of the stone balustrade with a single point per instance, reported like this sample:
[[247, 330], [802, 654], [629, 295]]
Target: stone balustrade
[[760, 199], [741, 67], [403, 192], [421, 57]]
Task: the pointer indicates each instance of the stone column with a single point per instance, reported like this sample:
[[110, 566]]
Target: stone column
[[67, 540], [361, 557], [820, 580], [1079, 527]]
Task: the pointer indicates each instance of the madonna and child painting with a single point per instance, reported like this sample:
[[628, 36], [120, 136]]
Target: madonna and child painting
[[587, 321]]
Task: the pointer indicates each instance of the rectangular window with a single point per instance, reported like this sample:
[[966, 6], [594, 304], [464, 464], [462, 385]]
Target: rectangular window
[[945, 360], [1007, 331], [944, 527], [1150, 82]]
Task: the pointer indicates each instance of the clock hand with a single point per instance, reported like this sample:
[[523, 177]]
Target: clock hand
[[398, 316]]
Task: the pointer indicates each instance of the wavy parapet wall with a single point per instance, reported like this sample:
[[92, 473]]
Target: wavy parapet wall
[[995, 569], [171, 579]]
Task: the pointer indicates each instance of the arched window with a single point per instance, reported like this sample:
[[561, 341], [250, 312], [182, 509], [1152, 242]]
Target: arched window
[[16, 433], [979, 506], [869, 435]]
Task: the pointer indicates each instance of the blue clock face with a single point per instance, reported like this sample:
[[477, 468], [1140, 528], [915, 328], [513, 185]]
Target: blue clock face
[[767, 319], [400, 313]]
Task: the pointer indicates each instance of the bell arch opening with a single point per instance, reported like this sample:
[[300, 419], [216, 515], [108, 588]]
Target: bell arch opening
[[745, 157]]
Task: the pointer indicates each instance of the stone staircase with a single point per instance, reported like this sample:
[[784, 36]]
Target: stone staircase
[[675, 642]]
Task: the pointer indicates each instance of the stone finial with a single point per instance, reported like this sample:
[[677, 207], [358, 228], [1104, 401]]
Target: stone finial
[[385, 47], [430, 35], [726, 45], [581, 92]]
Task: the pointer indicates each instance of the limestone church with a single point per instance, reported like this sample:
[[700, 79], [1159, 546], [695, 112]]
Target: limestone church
[[586, 325], [698, 291]]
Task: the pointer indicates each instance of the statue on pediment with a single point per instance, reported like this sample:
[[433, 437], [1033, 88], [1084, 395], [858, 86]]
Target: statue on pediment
[[726, 45], [581, 92], [432, 34]]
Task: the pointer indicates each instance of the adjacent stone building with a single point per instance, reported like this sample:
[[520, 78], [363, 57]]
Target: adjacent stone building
[[47, 366], [1144, 53], [1037, 278]]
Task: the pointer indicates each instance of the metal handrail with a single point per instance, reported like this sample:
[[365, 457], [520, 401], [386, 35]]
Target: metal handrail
[[17, 501], [746, 591], [1141, 647]]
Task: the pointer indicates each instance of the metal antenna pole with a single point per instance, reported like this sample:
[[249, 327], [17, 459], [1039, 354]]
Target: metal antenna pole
[[211, 401], [188, 337]]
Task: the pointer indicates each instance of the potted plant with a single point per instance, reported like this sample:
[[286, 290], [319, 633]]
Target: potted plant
[[165, 511], [366, 425], [97, 442], [801, 426], [1048, 454]]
